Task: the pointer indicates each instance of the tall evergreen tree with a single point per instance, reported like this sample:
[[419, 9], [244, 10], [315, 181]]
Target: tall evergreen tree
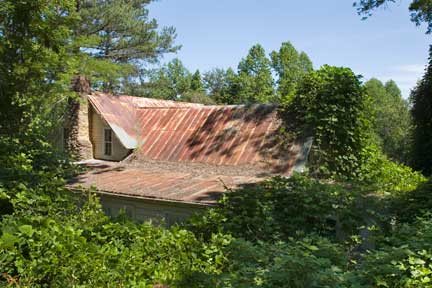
[[255, 78], [122, 37], [422, 116], [215, 83], [35, 63], [196, 82], [290, 66]]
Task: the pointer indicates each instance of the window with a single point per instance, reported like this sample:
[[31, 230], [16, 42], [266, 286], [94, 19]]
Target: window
[[108, 141]]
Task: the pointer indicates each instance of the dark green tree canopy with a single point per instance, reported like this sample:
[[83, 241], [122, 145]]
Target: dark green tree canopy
[[393, 122], [392, 88], [196, 82], [255, 78], [290, 66], [35, 63], [331, 106], [214, 81], [121, 35], [421, 98], [421, 10]]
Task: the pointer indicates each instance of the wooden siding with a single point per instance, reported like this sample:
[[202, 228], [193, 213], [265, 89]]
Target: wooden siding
[[158, 212], [97, 126]]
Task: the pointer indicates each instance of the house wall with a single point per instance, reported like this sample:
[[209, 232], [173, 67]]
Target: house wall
[[158, 212], [97, 126]]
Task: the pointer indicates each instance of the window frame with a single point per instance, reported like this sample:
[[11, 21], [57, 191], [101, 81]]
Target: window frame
[[108, 142]]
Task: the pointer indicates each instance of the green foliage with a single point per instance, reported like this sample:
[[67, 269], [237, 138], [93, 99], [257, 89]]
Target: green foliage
[[420, 10], [119, 35], [331, 105], [290, 66], [393, 123], [403, 259], [173, 81], [196, 82], [87, 250], [422, 116], [51, 237], [280, 208], [215, 82], [415, 203], [310, 262], [35, 64], [385, 175], [255, 81]]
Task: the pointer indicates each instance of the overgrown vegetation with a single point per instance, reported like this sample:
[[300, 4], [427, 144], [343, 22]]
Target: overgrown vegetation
[[355, 219]]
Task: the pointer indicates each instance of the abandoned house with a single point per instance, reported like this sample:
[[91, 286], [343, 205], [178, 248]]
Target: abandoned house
[[160, 159]]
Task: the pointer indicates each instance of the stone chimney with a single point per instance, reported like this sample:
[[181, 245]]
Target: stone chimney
[[76, 130]]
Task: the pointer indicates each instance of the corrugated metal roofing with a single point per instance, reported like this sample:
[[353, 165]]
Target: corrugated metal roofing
[[158, 183], [120, 112], [187, 132]]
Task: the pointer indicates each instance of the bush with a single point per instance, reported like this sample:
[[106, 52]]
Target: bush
[[331, 105], [280, 208], [86, 249], [386, 176], [410, 205], [403, 259], [50, 237], [309, 262]]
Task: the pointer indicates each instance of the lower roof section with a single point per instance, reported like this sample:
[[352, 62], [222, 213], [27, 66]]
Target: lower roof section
[[198, 184]]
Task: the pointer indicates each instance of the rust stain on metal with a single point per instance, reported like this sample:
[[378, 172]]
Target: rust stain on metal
[[168, 185], [187, 132]]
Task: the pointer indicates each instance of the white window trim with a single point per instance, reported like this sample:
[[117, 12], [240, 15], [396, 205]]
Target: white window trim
[[106, 142]]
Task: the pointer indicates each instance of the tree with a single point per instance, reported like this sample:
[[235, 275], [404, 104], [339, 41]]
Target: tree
[[215, 83], [421, 98], [35, 63], [332, 107], [169, 82], [289, 66], [392, 89], [196, 82], [421, 10], [233, 92], [254, 77], [121, 36], [305, 63], [392, 119]]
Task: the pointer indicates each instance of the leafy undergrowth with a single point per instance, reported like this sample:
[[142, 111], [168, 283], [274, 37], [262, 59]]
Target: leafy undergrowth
[[283, 232]]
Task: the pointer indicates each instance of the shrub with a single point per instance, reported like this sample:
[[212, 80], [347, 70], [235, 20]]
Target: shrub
[[332, 106], [309, 262], [280, 208], [402, 260]]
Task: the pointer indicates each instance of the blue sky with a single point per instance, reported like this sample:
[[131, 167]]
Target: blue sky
[[218, 33]]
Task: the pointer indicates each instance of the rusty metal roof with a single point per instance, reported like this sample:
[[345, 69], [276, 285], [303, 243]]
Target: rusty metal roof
[[188, 132], [189, 152], [159, 183], [120, 112]]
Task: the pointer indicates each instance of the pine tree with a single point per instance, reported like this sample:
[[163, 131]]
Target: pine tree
[[214, 81], [196, 82], [121, 37], [422, 117]]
